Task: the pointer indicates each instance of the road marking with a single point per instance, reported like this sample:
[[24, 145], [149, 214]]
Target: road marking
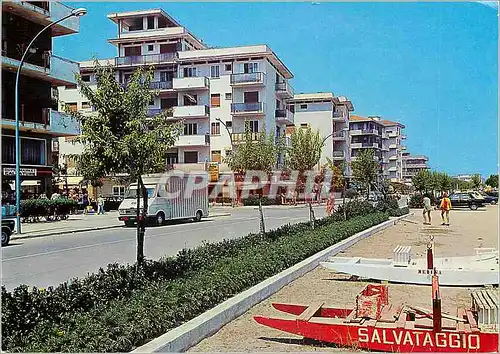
[[133, 238]]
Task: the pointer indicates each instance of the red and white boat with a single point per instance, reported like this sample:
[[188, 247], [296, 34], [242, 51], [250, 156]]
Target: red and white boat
[[375, 324]]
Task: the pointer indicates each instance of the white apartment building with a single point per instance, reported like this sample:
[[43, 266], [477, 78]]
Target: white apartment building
[[413, 164], [384, 137], [330, 115], [213, 91]]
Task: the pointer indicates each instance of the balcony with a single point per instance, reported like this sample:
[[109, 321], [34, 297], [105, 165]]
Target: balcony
[[338, 136], [45, 121], [191, 83], [392, 134], [403, 137], [393, 146], [248, 79], [284, 90], [364, 132], [155, 111], [284, 116], [145, 59], [240, 137], [193, 140], [190, 167], [248, 108], [45, 12], [57, 70], [403, 147], [392, 169], [202, 111], [161, 85], [393, 158], [365, 145], [338, 155], [385, 147], [338, 117]]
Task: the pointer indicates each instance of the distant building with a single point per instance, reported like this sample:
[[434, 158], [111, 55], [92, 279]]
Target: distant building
[[468, 177], [413, 164]]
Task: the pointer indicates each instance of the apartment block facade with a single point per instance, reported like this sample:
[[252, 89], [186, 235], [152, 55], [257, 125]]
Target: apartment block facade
[[42, 72], [330, 115], [216, 92], [384, 138], [413, 164]]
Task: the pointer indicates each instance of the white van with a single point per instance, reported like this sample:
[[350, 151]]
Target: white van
[[169, 198]]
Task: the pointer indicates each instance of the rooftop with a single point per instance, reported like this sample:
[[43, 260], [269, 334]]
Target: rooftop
[[115, 16], [311, 97]]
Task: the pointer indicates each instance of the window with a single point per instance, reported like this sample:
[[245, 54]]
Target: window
[[151, 47], [132, 51], [214, 71], [166, 76], [228, 153], [228, 67], [249, 68], [229, 96], [70, 87], [189, 72], [118, 191], [251, 97], [303, 106], [191, 129], [33, 151], [151, 22], [86, 78], [215, 100], [253, 126], [152, 102], [190, 156], [229, 123], [172, 158], [215, 128], [72, 106], [216, 156], [190, 100], [85, 105]]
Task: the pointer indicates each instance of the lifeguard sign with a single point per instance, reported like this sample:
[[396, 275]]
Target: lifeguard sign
[[213, 171]]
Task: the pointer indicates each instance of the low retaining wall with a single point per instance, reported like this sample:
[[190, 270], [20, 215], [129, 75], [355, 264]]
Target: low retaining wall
[[192, 332]]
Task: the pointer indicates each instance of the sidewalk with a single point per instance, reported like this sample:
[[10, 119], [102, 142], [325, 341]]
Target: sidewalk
[[81, 223]]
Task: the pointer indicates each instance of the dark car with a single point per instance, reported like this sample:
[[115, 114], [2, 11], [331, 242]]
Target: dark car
[[490, 198], [465, 199], [7, 230]]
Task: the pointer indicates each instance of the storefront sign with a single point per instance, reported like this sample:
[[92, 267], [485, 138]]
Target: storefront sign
[[26, 172], [213, 170]]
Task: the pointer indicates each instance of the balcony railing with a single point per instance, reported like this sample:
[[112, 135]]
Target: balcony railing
[[198, 111], [338, 116], [248, 107], [145, 59], [191, 83], [284, 115], [155, 111], [248, 78], [193, 140], [338, 154], [339, 135], [285, 89], [240, 137], [161, 85]]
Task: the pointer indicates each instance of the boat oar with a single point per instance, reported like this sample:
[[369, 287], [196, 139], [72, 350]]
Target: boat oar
[[428, 313]]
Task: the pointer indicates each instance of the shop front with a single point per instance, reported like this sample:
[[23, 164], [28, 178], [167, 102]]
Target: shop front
[[34, 180]]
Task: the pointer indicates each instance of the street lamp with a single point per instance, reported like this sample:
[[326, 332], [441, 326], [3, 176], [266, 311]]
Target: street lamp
[[75, 13], [232, 174]]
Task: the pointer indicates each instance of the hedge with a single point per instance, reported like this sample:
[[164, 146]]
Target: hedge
[[125, 306], [36, 208]]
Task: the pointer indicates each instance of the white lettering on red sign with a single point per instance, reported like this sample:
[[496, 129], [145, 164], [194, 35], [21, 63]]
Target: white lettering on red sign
[[412, 338]]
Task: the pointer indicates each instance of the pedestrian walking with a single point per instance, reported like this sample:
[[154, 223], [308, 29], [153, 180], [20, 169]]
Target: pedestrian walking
[[85, 202], [100, 205], [445, 207], [427, 210], [330, 204]]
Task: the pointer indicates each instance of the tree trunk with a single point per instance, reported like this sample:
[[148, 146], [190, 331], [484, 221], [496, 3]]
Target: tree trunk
[[141, 219]]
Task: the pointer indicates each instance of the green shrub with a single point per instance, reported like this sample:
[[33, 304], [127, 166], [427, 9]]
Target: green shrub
[[253, 200], [47, 207], [416, 201], [357, 208], [125, 323], [387, 204]]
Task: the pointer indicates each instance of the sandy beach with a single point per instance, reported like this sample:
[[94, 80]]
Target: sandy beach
[[468, 230]]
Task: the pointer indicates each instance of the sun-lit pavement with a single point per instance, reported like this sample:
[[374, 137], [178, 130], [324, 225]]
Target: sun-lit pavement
[[50, 260]]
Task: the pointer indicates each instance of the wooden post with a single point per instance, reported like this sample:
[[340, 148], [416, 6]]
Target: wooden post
[[311, 215], [436, 305], [430, 258], [262, 229]]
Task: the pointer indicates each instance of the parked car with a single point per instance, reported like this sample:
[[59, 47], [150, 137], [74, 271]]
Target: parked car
[[112, 203], [490, 199], [7, 230], [467, 199]]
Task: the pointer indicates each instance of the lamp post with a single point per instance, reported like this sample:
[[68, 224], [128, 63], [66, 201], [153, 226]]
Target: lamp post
[[232, 174], [75, 13]]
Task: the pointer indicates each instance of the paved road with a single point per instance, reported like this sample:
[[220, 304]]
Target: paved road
[[51, 260]]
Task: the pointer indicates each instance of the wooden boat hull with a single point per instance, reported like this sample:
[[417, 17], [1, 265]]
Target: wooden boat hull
[[476, 270], [384, 338]]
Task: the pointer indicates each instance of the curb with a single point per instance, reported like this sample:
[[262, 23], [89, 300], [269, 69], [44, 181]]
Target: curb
[[55, 233], [192, 332]]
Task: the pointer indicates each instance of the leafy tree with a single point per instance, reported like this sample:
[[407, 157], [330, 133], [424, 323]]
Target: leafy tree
[[492, 181], [305, 149], [335, 172], [422, 181], [257, 152], [365, 169], [120, 137], [476, 181]]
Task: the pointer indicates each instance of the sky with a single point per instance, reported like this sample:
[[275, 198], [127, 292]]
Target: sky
[[431, 66]]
